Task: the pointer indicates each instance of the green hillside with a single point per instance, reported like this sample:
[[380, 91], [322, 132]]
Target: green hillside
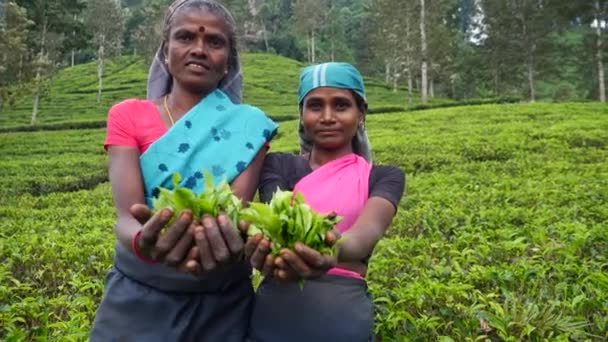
[[270, 82], [505, 220]]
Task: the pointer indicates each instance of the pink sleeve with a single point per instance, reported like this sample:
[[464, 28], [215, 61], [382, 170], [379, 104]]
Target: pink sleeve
[[120, 130]]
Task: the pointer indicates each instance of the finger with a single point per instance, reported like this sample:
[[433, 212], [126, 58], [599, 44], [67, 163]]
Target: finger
[[243, 226], [296, 263], [191, 264], [194, 253], [152, 228], [215, 239], [281, 270], [180, 252], [207, 261], [332, 237], [141, 212], [232, 237], [280, 263], [268, 267], [252, 245], [310, 256], [166, 242], [284, 275], [259, 255], [194, 267]]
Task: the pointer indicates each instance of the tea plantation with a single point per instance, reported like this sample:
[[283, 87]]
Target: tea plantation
[[502, 235], [69, 99]]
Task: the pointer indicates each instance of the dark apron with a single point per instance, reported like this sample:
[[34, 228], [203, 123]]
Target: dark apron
[[151, 302], [331, 308]]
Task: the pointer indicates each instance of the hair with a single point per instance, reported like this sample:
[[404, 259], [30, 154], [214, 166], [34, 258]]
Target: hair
[[210, 6], [361, 104]]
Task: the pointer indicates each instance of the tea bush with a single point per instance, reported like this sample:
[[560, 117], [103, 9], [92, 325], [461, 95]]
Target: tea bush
[[502, 235]]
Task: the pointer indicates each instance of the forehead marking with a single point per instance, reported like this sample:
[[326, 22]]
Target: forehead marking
[[201, 29]]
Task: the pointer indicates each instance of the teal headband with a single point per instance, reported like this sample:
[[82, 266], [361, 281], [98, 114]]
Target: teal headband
[[334, 75]]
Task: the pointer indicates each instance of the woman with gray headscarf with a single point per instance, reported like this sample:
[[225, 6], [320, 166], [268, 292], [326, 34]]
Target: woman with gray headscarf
[[177, 277], [334, 173]]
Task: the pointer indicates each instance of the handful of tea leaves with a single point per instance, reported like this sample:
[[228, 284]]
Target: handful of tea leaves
[[287, 220], [213, 200]]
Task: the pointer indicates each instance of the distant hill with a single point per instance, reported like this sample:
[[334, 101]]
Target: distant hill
[[270, 83]]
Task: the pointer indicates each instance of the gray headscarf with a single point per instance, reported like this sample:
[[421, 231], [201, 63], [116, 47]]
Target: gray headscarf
[[335, 75], [160, 80]]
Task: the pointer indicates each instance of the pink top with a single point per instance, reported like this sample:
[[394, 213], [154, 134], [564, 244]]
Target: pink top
[[341, 186], [135, 123]]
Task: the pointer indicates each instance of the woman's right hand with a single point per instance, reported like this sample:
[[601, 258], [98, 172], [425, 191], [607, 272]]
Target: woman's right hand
[[173, 246]]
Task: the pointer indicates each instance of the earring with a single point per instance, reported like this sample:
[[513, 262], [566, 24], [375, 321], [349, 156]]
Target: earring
[[166, 61]]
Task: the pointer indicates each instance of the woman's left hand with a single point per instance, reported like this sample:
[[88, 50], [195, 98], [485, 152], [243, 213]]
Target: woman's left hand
[[304, 262]]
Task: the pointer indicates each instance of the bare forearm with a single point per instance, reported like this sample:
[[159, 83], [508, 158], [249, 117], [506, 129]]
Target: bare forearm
[[356, 246], [361, 238], [125, 229]]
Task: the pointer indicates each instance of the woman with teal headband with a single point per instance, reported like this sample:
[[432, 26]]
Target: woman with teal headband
[[186, 281], [334, 173]]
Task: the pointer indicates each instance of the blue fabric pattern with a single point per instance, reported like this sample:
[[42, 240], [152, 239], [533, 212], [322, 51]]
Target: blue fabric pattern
[[215, 135]]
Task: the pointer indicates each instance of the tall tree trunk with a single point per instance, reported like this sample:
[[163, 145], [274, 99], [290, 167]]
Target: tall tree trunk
[[530, 48], [312, 47], [410, 86], [423, 51], [531, 77], [39, 72], [387, 71], [408, 58], [432, 88], [308, 43], [332, 32], [496, 82], [73, 50], [265, 35], [598, 53], [20, 71], [395, 79], [36, 99], [100, 58]]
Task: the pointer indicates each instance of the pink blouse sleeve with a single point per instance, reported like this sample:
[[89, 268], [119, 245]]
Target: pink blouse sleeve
[[120, 129]]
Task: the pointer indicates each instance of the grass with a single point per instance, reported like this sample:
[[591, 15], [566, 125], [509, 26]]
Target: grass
[[271, 83], [505, 221]]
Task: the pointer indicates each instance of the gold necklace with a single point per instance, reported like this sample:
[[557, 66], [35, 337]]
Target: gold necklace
[[168, 111]]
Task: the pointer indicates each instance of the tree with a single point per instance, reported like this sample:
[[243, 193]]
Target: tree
[[423, 55], [147, 34], [307, 21], [14, 27], [52, 19], [107, 30], [600, 20], [14, 30], [393, 40]]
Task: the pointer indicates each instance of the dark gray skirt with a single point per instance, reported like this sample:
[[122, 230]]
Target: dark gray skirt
[[144, 302], [331, 308], [131, 311]]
